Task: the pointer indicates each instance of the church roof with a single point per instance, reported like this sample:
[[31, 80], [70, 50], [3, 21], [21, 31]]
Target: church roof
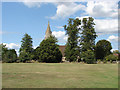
[[62, 49], [48, 29]]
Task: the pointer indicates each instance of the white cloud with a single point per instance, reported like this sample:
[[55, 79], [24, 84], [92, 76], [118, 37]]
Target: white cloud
[[30, 3], [113, 38], [102, 9], [67, 9], [114, 41], [12, 45], [94, 8], [60, 35], [59, 27], [104, 26]]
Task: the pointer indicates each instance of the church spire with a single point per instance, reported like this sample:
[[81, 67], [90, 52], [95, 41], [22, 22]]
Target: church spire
[[48, 31]]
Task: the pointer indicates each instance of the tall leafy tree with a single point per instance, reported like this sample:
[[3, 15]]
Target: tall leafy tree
[[88, 34], [26, 48], [87, 40], [102, 49], [48, 51], [72, 30]]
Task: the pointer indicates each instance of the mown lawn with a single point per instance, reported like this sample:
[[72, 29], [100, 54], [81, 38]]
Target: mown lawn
[[59, 75]]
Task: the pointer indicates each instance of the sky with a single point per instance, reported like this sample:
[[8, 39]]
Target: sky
[[29, 17]]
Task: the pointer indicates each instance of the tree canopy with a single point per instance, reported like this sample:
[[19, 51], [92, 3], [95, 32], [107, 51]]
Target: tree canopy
[[88, 34], [49, 51], [26, 48], [103, 48], [72, 30], [8, 55]]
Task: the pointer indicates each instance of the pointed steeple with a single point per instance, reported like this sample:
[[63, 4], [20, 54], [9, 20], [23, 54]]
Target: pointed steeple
[[48, 32]]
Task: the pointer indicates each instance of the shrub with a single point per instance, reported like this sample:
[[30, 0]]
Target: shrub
[[88, 56], [111, 58], [99, 60]]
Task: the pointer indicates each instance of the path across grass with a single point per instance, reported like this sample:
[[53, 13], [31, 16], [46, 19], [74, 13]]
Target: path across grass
[[59, 75]]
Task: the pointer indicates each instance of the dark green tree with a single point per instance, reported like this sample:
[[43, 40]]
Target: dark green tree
[[49, 51], [87, 40], [72, 30], [7, 55], [26, 49], [11, 56], [88, 57], [3, 52], [102, 49], [88, 34], [37, 53]]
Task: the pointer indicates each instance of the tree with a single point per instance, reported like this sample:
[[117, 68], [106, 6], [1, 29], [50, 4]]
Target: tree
[[7, 55], [72, 30], [88, 57], [36, 53], [87, 40], [116, 52], [11, 56], [24, 56], [26, 48], [102, 49], [3, 51], [49, 51], [111, 58], [88, 34]]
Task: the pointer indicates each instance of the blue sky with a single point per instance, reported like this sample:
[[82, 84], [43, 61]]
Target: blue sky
[[19, 18]]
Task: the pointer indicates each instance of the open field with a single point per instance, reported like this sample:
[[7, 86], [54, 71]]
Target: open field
[[60, 75]]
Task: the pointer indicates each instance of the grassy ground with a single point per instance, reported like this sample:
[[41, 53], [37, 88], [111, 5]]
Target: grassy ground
[[60, 75]]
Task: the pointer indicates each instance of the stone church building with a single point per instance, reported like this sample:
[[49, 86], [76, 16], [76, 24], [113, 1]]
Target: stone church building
[[48, 33]]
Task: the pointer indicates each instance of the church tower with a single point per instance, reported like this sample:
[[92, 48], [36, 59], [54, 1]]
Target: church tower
[[48, 32]]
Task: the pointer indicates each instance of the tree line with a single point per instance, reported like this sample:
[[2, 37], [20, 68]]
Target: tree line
[[80, 46]]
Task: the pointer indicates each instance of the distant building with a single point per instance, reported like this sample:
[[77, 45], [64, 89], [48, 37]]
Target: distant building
[[48, 33], [62, 49]]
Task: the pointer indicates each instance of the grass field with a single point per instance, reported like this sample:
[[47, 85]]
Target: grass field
[[60, 75]]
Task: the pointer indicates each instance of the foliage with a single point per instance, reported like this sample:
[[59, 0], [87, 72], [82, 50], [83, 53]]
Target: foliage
[[49, 51], [8, 55], [99, 60], [87, 41], [103, 48], [88, 35], [116, 52], [88, 57], [111, 58], [24, 56], [11, 56], [72, 30], [26, 48], [3, 51], [37, 53]]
